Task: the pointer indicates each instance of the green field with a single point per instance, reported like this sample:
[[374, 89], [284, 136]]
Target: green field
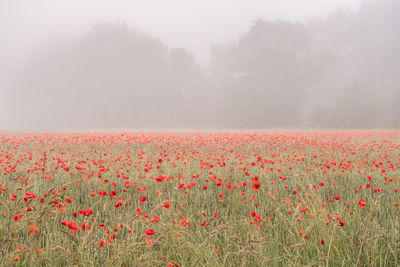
[[200, 199]]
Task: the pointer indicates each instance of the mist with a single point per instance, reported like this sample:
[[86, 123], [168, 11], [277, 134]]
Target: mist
[[199, 65]]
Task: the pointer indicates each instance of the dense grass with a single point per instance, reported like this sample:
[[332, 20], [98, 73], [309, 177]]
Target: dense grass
[[292, 220]]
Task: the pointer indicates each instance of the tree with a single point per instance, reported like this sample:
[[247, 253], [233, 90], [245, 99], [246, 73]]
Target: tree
[[365, 48], [263, 77], [358, 108], [109, 76]]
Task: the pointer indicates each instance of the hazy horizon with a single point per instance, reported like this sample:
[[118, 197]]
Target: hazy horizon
[[205, 33]]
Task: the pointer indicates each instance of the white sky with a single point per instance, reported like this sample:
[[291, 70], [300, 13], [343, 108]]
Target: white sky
[[193, 24]]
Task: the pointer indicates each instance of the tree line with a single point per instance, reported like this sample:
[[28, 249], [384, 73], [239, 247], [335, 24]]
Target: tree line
[[339, 71]]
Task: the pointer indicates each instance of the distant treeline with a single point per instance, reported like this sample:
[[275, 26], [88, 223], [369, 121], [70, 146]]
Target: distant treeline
[[339, 71]]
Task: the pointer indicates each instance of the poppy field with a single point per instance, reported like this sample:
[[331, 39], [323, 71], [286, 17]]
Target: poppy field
[[200, 199]]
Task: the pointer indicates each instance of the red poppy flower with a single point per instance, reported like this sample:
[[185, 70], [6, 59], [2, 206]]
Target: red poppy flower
[[34, 230], [149, 242], [256, 186], [139, 210], [166, 204], [18, 216], [155, 219], [149, 232], [160, 179], [362, 203]]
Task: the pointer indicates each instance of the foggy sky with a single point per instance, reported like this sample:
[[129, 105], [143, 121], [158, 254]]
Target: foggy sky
[[194, 25]]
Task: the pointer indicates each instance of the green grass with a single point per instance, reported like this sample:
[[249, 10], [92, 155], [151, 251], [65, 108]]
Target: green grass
[[370, 235]]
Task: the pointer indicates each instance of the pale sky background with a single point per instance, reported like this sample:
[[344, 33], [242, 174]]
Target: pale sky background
[[193, 24]]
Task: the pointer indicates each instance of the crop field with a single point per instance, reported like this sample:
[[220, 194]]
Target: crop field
[[200, 199]]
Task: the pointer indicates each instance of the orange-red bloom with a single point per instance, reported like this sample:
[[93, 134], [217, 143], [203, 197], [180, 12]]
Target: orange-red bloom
[[256, 186], [33, 230], [166, 204], [362, 203], [149, 232]]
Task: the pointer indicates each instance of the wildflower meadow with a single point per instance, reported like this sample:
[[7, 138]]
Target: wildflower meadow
[[200, 199]]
